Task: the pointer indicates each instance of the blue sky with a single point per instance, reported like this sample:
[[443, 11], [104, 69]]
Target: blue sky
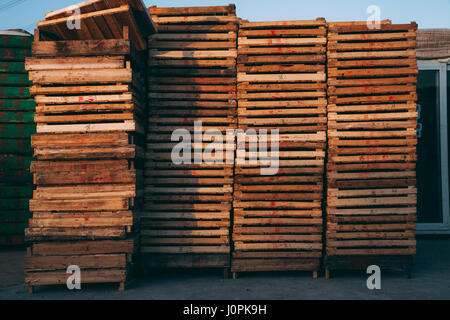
[[427, 13]]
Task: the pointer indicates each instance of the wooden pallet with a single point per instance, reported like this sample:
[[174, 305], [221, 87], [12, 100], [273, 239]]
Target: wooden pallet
[[361, 263], [192, 78], [372, 119], [90, 94], [100, 19], [281, 85], [16, 127], [103, 261]]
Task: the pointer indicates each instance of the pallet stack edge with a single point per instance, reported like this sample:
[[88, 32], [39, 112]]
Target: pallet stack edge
[[89, 148], [281, 77], [371, 170], [16, 127], [192, 80]]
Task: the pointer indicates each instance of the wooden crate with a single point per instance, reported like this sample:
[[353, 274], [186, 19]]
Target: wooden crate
[[372, 119], [89, 148], [192, 78], [281, 85], [16, 126]]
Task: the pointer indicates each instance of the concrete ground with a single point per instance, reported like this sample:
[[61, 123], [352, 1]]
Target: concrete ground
[[430, 280]]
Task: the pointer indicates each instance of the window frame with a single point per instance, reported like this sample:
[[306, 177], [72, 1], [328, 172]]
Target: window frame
[[444, 227]]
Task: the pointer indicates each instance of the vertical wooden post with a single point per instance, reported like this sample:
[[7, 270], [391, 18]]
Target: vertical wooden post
[[37, 35], [126, 33]]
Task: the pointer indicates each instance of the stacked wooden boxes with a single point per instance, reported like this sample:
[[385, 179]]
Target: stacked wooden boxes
[[372, 113], [16, 127], [192, 79], [281, 86], [91, 102]]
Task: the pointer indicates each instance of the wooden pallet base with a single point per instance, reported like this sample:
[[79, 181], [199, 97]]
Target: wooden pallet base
[[268, 265], [362, 262], [119, 276], [188, 261], [122, 286]]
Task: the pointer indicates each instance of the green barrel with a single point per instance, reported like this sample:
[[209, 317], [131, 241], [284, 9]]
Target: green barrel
[[16, 192], [15, 41], [15, 92], [14, 54], [17, 130], [14, 79], [10, 163], [12, 67], [17, 104], [18, 146]]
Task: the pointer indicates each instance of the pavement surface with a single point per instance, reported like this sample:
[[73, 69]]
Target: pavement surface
[[430, 280]]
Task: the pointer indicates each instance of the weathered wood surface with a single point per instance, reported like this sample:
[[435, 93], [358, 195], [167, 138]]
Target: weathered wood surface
[[88, 177], [192, 78], [281, 85], [372, 117]]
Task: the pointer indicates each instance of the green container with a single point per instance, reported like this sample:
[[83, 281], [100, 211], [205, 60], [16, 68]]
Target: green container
[[16, 104], [16, 192], [15, 79], [15, 92], [9, 163], [14, 54], [16, 41], [17, 130], [17, 146], [12, 67]]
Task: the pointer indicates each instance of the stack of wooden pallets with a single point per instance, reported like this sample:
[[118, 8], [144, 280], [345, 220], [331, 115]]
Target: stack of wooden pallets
[[91, 102], [371, 204], [16, 127], [192, 78], [281, 86], [87, 145]]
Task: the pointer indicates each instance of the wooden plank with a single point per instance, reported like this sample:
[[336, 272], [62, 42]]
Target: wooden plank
[[71, 234], [89, 276], [80, 48], [242, 77], [78, 205], [83, 247], [76, 63], [81, 76], [94, 127], [50, 263]]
